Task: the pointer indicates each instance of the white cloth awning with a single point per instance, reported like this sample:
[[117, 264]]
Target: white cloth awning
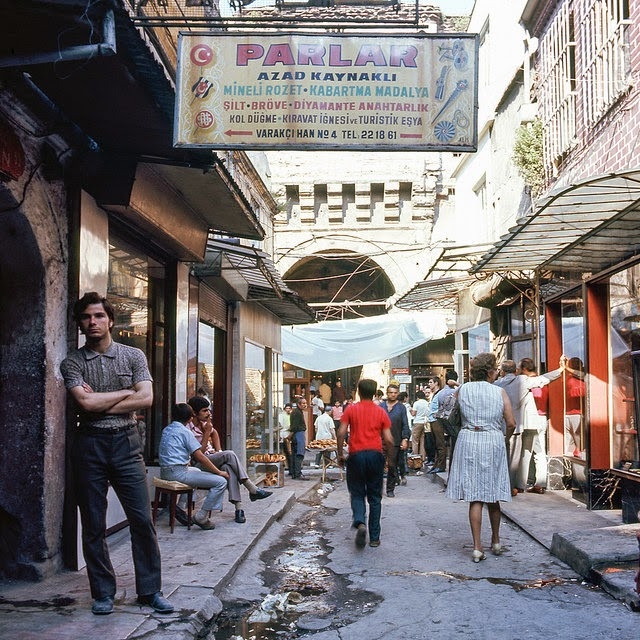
[[338, 344]]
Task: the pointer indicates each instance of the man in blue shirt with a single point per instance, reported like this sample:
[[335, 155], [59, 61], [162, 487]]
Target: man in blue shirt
[[177, 445]]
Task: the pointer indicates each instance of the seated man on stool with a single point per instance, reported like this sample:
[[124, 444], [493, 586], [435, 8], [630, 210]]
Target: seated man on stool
[[202, 428], [177, 445]]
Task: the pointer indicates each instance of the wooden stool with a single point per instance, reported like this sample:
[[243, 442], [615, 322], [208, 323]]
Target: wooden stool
[[173, 489]]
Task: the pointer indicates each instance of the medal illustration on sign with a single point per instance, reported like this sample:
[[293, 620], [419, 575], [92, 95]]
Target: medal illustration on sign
[[204, 119], [201, 88], [201, 55]]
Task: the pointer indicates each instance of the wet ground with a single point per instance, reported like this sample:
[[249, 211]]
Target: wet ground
[[304, 595]]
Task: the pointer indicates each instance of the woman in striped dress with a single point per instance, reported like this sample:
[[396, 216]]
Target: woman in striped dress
[[479, 473]]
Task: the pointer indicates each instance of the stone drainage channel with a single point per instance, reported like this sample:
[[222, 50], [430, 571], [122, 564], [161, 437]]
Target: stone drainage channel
[[305, 596]]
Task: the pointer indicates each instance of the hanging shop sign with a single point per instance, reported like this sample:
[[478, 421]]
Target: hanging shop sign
[[12, 158], [315, 91]]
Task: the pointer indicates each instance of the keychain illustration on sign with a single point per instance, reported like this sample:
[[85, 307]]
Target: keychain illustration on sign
[[456, 53]]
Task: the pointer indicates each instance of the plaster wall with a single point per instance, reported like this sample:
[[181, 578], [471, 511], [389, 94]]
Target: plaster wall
[[33, 342]]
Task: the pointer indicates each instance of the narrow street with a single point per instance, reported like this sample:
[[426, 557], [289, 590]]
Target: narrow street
[[419, 583]]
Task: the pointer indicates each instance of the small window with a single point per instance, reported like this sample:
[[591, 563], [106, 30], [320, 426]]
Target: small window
[[292, 192], [404, 192], [320, 197], [377, 195], [348, 197]]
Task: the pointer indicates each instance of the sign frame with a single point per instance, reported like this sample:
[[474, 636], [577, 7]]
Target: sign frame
[[317, 91]]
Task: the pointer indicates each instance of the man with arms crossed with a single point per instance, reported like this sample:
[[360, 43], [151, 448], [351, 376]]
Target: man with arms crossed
[[369, 427], [109, 382]]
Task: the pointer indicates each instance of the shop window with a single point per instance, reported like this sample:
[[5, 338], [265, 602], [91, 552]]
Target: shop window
[[624, 295], [479, 339], [205, 376], [574, 383], [136, 288], [255, 375]]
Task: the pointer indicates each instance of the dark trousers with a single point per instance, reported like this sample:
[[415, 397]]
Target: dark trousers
[[116, 459], [286, 449], [440, 445], [297, 453], [429, 446], [396, 469], [365, 470]]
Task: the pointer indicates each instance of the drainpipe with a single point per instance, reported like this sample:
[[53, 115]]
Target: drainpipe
[[83, 52]]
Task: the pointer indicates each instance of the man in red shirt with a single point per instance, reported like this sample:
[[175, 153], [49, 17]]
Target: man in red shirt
[[369, 427]]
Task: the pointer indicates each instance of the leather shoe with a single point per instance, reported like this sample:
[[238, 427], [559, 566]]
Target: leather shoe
[[207, 524], [240, 519], [301, 478], [391, 494], [259, 495], [102, 606], [536, 489], [181, 516], [157, 602], [361, 536]]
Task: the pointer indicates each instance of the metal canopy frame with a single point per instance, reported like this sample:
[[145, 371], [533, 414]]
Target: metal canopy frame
[[285, 14], [585, 227], [446, 278], [263, 283]]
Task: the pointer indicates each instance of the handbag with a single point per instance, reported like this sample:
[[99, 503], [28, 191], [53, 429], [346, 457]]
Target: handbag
[[453, 422]]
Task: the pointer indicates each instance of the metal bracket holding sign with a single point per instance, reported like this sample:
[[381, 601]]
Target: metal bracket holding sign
[[329, 92]]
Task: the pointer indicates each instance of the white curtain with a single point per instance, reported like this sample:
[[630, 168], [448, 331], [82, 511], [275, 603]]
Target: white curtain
[[338, 344]]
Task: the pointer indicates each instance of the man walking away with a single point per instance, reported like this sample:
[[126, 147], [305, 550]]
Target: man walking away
[[109, 382], [369, 428]]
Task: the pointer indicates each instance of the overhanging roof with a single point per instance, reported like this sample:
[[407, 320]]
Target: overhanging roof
[[124, 102], [446, 278], [584, 227], [253, 276]]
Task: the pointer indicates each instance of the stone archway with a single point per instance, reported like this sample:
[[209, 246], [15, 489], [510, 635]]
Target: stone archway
[[341, 284], [23, 440]]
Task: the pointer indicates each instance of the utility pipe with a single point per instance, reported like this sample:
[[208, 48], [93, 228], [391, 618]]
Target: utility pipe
[[81, 52]]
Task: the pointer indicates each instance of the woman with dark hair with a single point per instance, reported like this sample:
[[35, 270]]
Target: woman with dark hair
[[479, 473]]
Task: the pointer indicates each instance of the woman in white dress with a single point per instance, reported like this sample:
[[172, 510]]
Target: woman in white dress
[[479, 473]]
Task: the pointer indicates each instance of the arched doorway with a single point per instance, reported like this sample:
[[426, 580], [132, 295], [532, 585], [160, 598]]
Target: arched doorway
[[23, 398]]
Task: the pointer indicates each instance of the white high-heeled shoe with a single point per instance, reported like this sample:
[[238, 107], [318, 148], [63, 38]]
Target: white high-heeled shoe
[[477, 555], [496, 549]]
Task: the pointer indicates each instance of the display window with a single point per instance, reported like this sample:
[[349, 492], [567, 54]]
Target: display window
[[136, 289], [255, 371], [574, 376], [624, 297]]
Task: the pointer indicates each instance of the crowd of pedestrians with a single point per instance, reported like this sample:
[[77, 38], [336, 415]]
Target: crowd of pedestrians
[[501, 431]]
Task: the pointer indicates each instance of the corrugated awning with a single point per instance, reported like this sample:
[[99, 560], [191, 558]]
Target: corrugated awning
[[585, 227], [250, 275], [446, 278]]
